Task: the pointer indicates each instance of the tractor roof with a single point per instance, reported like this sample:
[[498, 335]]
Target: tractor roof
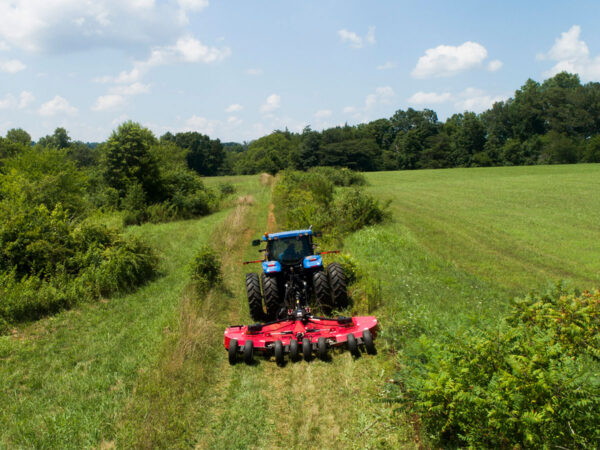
[[286, 234]]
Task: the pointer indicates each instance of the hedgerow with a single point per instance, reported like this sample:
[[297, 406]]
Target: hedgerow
[[534, 382]]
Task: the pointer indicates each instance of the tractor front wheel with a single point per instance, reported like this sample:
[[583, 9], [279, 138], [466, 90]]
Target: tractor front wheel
[[254, 298]]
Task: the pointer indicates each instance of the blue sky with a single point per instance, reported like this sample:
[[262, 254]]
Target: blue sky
[[237, 70]]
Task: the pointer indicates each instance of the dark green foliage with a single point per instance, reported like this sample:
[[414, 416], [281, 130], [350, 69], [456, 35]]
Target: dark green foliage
[[309, 198], [206, 269], [204, 155], [531, 383], [19, 136]]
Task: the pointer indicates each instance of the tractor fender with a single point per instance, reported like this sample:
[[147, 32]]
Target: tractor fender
[[271, 266], [313, 261]]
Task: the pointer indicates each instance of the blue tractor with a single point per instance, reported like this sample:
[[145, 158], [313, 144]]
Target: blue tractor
[[293, 275]]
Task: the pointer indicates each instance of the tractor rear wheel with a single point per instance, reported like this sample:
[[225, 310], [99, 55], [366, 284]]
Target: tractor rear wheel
[[254, 297], [337, 280], [322, 291], [271, 294]]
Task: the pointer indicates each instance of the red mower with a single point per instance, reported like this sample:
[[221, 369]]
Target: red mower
[[293, 278]]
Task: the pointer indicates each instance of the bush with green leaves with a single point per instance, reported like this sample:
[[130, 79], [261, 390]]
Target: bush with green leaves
[[206, 269], [310, 198], [534, 382]]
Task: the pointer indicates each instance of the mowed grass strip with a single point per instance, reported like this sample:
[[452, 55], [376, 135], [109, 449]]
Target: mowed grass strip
[[517, 227], [65, 378]]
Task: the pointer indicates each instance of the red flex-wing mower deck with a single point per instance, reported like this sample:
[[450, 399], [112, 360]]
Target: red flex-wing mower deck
[[301, 332]]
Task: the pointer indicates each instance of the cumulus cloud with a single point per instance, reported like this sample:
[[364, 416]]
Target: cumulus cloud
[[572, 55], [4, 46], [383, 95], [7, 102], [25, 99], [201, 124], [448, 60], [470, 99], [354, 40], [494, 65], [429, 98], [234, 108], [187, 49], [67, 25], [58, 105], [386, 66], [131, 89], [108, 102], [272, 103], [323, 113], [12, 66]]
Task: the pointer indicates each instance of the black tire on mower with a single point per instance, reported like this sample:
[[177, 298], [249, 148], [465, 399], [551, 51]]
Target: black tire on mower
[[248, 352], [353, 345], [233, 349], [337, 281], [368, 341], [322, 291], [254, 297], [271, 295], [306, 349], [322, 349], [279, 353], [294, 350]]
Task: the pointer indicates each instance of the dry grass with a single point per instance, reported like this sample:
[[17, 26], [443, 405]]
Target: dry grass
[[267, 179]]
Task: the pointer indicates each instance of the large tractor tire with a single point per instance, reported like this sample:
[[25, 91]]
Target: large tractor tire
[[271, 294], [254, 297], [322, 291], [337, 281]]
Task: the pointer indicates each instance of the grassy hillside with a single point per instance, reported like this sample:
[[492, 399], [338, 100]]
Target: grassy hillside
[[516, 227]]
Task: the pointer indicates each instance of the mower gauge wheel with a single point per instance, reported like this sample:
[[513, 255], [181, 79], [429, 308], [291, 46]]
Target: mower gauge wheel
[[294, 350], [279, 353], [306, 349], [368, 340], [322, 349], [233, 349], [248, 352], [353, 345]]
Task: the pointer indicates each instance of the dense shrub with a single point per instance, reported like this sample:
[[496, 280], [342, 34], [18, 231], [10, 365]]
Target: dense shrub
[[310, 198], [206, 269], [341, 176], [534, 382]]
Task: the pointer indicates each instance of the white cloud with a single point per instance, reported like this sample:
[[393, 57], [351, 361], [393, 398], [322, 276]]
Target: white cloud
[[354, 40], [119, 120], [25, 99], [132, 89], [187, 49], [108, 102], [4, 46], [58, 105], [351, 38], [476, 100], [12, 66], [350, 110], [272, 103], [254, 72], [323, 113], [370, 38], [572, 55], [387, 65], [448, 60], [429, 98], [382, 95], [7, 102], [234, 121], [201, 124], [494, 65], [70, 25], [234, 108]]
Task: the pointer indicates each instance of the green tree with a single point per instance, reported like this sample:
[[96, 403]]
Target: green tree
[[19, 136], [128, 160]]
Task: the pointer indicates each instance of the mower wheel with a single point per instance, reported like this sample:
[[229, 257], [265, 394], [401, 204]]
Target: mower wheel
[[233, 349], [306, 349], [294, 350], [368, 340], [337, 280], [322, 349], [279, 353], [248, 352], [254, 297], [271, 294], [353, 345], [322, 291]]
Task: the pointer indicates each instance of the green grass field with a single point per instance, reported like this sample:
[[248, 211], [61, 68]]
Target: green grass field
[[148, 369]]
